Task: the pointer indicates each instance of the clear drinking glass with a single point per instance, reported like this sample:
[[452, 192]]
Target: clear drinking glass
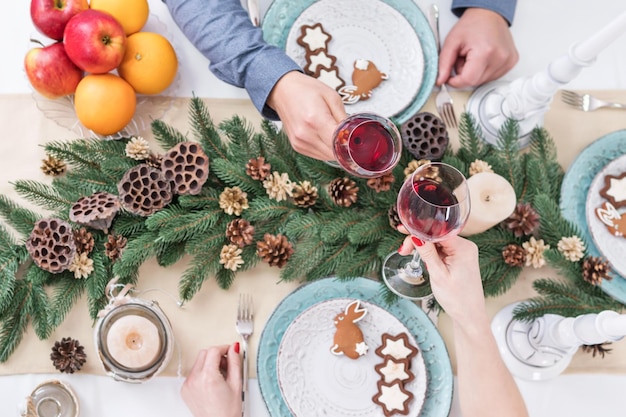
[[367, 145], [433, 204]]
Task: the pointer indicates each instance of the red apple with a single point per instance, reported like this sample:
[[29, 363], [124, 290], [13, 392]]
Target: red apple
[[95, 41], [51, 72], [51, 16]]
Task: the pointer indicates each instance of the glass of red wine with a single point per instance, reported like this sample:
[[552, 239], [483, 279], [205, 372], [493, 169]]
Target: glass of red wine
[[433, 205], [367, 145]]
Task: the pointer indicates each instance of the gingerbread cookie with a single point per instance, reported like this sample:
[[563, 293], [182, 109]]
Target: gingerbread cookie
[[392, 370], [348, 339], [313, 38], [614, 190], [393, 398], [318, 59], [398, 347], [612, 219], [330, 77]]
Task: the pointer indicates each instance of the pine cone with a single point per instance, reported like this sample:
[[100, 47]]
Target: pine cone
[[240, 232], [383, 183], [68, 355], [274, 249], [479, 166], [114, 247], [394, 218], [523, 221], [258, 169], [84, 241], [595, 269], [278, 186], [230, 257], [81, 266], [305, 194], [53, 166], [138, 148], [233, 201], [343, 191], [154, 160], [514, 255]]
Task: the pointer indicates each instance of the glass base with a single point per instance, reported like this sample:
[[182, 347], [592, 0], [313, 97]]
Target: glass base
[[403, 280]]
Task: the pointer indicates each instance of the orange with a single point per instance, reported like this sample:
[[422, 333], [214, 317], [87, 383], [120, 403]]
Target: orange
[[104, 103], [132, 14], [149, 63]]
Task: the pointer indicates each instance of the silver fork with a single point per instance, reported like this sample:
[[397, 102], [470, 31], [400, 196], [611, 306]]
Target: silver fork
[[245, 326], [586, 102], [443, 100]]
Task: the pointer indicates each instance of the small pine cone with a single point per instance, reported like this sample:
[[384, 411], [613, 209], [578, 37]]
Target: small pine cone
[[523, 221], [84, 241], [138, 148], [258, 169], [514, 255], [595, 269], [53, 166], [240, 232], [233, 201], [382, 183], [274, 249], [534, 252], [154, 160], [230, 257], [305, 194], [68, 355], [572, 248], [343, 191], [278, 186], [114, 246], [479, 166], [394, 218], [81, 266], [413, 165]]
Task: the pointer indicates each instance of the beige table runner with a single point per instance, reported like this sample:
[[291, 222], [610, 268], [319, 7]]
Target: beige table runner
[[209, 317]]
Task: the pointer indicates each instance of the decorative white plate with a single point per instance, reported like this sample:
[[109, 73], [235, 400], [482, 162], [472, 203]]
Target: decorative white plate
[[612, 247], [393, 34], [149, 108], [313, 381]]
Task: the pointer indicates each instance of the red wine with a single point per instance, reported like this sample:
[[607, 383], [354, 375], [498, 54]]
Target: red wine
[[429, 209], [366, 146]]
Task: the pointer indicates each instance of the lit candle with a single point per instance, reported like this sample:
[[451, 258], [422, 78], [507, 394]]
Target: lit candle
[[133, 341], [492, 200]]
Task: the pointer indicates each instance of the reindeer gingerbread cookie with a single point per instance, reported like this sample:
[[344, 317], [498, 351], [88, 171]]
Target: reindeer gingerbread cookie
[[348, 339]]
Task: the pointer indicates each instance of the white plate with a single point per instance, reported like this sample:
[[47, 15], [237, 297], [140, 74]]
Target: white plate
[[313, 381], [372, 30], [613, 248]]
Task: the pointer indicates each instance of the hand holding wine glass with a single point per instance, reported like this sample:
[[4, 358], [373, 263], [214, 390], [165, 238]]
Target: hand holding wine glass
[[367, 145], [433, 205]]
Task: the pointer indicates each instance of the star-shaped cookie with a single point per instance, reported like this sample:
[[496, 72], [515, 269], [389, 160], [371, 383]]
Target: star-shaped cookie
[[398, 347], [394, 399], [313, 37], [392, 370], [614, 190]]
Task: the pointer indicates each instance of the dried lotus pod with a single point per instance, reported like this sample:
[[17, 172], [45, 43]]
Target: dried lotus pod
[[144, 190], [187, 167], [51, 245], [425, 136], [96, 211]]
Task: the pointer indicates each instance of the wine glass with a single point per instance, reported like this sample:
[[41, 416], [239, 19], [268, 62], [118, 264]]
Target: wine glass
[[433, 204], [366, 145]]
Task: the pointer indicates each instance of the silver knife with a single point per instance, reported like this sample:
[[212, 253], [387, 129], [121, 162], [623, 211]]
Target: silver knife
[[253, 12]]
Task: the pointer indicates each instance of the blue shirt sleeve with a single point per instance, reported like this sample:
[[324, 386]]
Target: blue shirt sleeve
[[505, 8], [221, 30]]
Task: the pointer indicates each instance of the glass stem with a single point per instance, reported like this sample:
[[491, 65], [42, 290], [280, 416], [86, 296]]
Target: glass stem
[[414, 266]]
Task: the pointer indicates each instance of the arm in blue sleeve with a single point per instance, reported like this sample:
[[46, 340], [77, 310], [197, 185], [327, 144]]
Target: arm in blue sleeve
[[221, 30], [505, 8]]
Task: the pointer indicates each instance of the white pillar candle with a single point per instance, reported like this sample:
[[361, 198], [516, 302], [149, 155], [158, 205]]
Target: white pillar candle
[[492, 200], [133, 341]]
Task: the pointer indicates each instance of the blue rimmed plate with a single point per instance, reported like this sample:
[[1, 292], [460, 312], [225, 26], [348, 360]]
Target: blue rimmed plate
[[439, 379], [372, 30], [575, 189]]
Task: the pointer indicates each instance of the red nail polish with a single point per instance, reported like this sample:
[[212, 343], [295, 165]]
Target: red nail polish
[[400, 248], [417, 241], [236, 347]]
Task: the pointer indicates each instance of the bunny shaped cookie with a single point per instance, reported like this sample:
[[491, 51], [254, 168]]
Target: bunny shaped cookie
[[612, 219], [348, 339]]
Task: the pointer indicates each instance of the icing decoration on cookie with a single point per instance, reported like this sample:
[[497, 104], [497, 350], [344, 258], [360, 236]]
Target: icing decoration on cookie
[[392, 370], [397, 347], [315, 60], [330, 77], [393, 399], [612, 219], [348, 339], [313, 37], [614, 190], [365, 78]]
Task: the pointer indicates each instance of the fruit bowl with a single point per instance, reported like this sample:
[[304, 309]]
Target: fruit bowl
[[149, 107]]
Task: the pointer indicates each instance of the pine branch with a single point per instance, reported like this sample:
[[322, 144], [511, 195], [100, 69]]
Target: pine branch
[[182, 227], [68, 153], [473, 145], [552, 224], [509, 161], [165, 135], [206, 198], [370, 231], [224, 278], [358, 262], [97, 282], [13, 321], [234, 174], [41, 194], [264, 209], [21, 219], [168, 254], [202, 266], [39, 310], [127, 224], [243, 145], [205, 130], [137, 251], [65, 294], [307, 256]]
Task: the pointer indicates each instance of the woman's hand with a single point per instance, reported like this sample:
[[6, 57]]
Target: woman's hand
[[213, 387]]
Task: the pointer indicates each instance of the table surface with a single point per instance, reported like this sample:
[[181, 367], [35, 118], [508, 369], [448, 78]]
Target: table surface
[[542, 32]]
